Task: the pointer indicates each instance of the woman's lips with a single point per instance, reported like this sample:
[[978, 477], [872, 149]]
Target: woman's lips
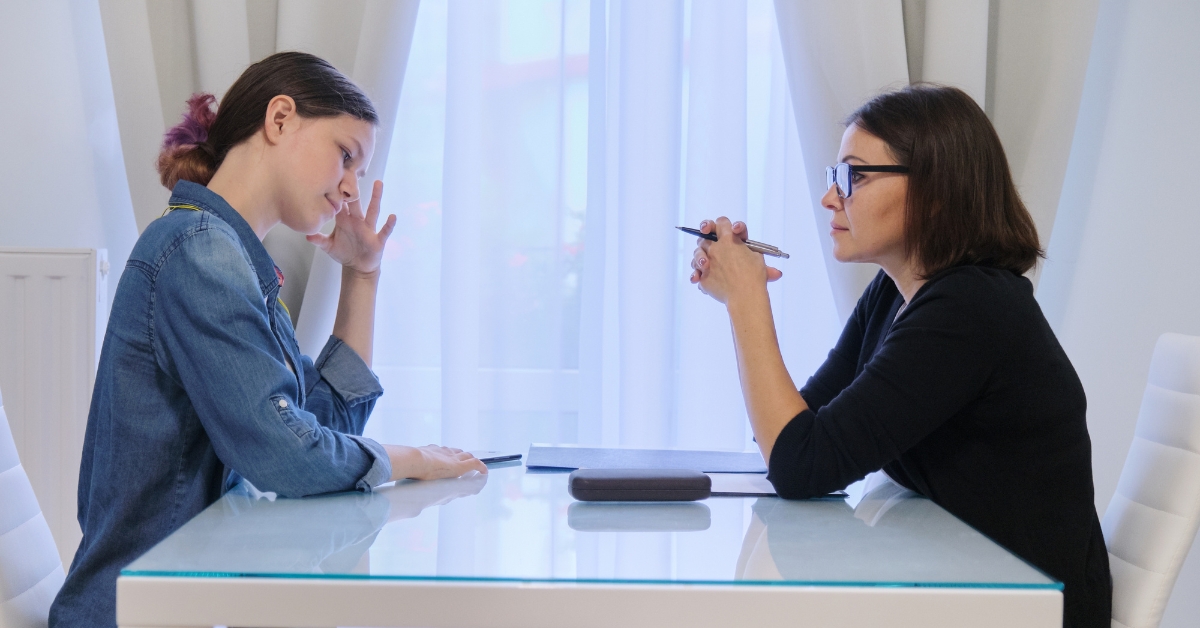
[[834, 228]]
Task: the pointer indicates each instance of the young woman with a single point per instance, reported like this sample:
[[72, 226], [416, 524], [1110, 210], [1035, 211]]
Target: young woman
[[947, 375], [200, 381]]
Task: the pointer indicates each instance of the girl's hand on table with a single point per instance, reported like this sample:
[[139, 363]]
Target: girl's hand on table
[[724, 268], [354, 242], [431, 462]]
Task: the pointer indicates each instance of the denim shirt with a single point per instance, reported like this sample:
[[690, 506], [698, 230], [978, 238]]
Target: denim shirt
[[201, 381]]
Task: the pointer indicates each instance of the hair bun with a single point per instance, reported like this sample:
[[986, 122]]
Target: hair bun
[[186, 154]]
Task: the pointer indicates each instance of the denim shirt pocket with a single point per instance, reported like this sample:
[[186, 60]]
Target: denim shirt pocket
[[287, 413]]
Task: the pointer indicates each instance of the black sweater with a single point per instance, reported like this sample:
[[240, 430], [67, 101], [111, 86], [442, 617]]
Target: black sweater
[[967, 398]]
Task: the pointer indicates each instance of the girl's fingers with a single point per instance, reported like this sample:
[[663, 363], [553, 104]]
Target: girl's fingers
[[352, 208], [388, 226], [373, 207], [345, 214], [322, 241]]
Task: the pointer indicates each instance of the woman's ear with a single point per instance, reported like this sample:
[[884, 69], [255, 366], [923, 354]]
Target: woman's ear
[[281, 114]]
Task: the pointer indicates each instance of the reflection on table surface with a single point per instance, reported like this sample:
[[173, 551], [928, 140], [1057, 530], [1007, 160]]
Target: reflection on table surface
[[513, 525]]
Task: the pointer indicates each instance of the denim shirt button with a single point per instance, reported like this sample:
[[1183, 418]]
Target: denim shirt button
[[283, 403]]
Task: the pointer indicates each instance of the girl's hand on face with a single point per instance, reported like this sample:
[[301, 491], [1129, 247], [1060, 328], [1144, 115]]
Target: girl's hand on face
[[354, 242], [724, 268]]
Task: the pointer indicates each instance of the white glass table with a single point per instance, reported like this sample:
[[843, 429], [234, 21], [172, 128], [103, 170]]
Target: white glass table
[[514, 550]]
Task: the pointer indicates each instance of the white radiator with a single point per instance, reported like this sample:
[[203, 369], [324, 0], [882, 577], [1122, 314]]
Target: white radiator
[[53, 312]]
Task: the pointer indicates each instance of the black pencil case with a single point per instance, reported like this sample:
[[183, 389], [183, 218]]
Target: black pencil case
[[638, 485]]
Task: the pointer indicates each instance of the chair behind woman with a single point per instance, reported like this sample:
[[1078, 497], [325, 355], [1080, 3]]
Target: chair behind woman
[[30, 571], [1152, 519]]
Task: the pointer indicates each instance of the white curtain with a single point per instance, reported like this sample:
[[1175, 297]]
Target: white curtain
[[838, 55], [536, 289]]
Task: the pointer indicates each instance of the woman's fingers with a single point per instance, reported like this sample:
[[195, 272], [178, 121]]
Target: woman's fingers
[[700, 260], [724, 228], [773, 273], [738, 228], [741, 230]]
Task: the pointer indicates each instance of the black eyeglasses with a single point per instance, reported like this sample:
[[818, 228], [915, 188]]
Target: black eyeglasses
[[840, 175]]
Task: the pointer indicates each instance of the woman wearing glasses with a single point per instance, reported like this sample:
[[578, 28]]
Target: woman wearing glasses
[[947, 375]]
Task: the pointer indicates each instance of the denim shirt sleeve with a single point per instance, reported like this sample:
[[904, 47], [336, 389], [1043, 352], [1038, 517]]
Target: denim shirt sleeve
[[341, 393], [211, 332]]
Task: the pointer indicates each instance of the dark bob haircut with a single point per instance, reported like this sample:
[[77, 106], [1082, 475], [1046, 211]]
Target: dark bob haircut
[[962, 207]]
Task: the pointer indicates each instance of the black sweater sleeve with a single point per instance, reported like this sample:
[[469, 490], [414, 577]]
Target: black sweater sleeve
[[934, 360]]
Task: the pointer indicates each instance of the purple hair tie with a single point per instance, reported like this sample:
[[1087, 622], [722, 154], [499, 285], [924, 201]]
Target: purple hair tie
[[193, 129]]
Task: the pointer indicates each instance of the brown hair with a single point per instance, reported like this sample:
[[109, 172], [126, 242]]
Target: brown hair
[[193, 149], [962, 207]]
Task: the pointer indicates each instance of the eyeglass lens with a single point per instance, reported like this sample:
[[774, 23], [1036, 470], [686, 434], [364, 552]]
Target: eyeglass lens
[[838, 175]]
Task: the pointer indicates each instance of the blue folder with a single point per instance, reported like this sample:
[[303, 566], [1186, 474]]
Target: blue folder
[[555, 457]]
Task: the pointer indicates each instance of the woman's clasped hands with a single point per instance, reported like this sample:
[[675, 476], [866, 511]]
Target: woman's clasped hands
[[726, 268]]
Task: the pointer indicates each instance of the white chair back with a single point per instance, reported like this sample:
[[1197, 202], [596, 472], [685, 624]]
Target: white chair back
[[1152, 518], [30, 570]]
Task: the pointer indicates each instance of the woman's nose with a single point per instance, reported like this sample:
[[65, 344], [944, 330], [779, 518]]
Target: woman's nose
[[831, 201]]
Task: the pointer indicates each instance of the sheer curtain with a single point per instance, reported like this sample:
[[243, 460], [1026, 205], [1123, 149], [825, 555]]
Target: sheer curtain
[[536, 289]]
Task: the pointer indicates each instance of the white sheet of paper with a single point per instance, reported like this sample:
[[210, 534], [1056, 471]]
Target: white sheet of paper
[[741, 484]]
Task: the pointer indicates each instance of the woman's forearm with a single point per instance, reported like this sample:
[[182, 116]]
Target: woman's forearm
[[355, 322], [771, 397]]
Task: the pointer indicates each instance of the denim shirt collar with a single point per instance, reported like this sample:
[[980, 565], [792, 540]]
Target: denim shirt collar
[[189, 193]]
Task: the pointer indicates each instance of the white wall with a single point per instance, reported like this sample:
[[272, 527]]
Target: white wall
[[1124, 259], [60, 154]]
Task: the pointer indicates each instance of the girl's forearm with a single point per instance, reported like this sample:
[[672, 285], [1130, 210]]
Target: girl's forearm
[[771, 397], [355, 322]]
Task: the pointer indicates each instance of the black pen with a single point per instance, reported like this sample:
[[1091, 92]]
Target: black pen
[[757, 247]]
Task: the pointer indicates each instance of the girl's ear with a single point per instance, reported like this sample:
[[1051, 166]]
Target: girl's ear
[[281, 113]]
